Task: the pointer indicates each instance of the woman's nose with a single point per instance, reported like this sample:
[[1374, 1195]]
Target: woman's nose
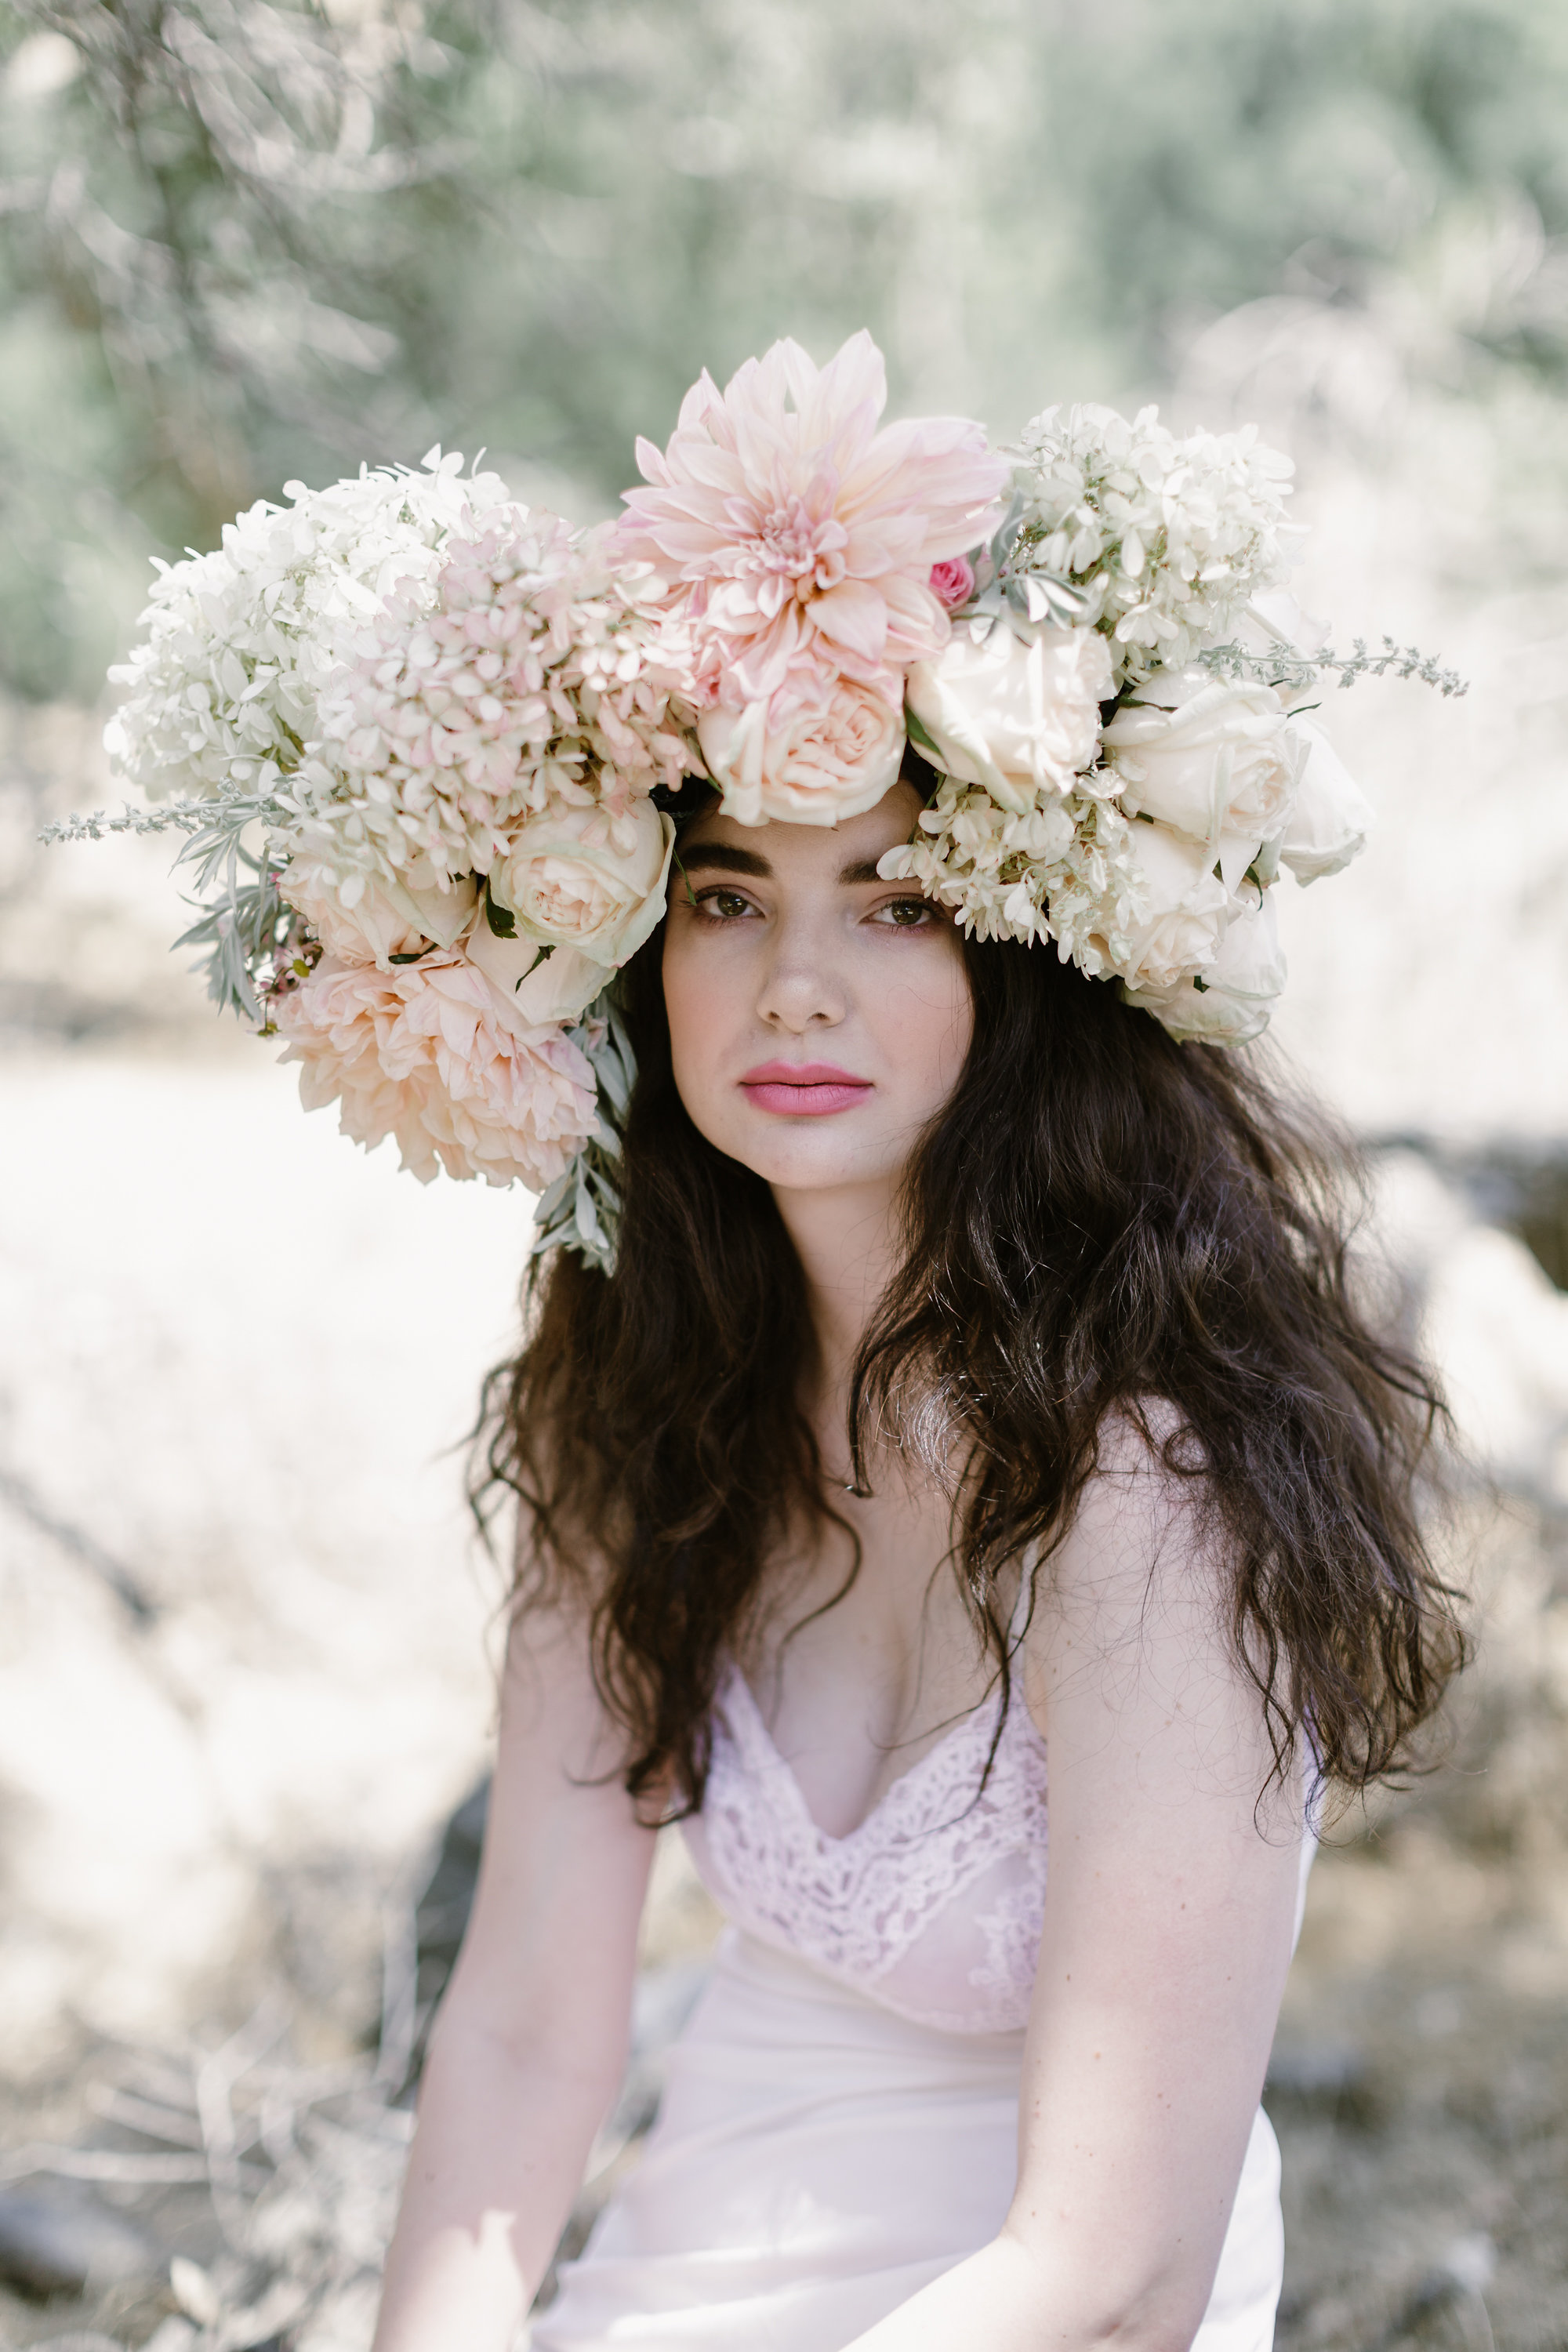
[[800, 991]]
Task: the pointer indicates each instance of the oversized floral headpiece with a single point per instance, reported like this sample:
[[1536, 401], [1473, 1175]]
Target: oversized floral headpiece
[[414, 732]]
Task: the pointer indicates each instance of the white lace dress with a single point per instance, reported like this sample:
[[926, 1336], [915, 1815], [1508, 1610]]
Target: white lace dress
[[839, 2124]]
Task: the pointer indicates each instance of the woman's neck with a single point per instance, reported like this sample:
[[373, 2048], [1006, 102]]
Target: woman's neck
[[846, 1241]]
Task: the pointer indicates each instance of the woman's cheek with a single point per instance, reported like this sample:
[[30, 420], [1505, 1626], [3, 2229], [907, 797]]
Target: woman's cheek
[[696, 1048], [935, 1010]]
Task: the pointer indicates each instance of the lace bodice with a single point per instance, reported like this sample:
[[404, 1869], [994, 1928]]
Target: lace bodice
[[933, 1905]]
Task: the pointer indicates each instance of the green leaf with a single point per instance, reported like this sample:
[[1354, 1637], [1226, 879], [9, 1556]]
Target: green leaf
[[501, 919], [921, 735]]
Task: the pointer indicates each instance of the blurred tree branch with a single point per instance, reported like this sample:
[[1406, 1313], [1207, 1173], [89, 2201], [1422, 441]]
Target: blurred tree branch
[[242, 240]]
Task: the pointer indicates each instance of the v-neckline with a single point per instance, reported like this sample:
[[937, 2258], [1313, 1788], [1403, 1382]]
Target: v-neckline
[[759, 1725]]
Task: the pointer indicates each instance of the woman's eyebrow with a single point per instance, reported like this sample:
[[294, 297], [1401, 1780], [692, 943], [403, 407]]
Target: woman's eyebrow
[[862, 869], [730, 859]]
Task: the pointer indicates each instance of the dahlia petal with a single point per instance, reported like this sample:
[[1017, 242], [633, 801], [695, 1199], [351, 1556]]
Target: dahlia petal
[[847, 401], [697, 408], [650, 461], [712, 467], [687, 540], [853, 615], [915, 618], [887, 543]]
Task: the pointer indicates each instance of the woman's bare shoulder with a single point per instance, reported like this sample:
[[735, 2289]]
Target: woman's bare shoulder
[[1141, 1569], [1146, 1504]]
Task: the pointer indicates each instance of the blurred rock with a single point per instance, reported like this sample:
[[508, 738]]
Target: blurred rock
[[1484, 1309], [91, 2342], [441, 1914], [53, 2244], [1316, 2070]]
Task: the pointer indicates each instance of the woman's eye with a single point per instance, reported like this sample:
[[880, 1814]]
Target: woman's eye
[[906, 914], [724, 905]]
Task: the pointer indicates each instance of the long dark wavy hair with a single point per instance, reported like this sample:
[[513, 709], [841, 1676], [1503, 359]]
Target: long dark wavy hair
[[1100, 1218]]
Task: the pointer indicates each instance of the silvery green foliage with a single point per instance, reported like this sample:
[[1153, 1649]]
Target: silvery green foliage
[[243, 925], [582, 1210], [1294, 672]]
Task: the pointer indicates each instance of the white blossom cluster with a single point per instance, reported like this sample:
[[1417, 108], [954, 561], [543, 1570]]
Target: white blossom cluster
[[1160, 540], [1150, 864], [222, 691], [1058, 870]]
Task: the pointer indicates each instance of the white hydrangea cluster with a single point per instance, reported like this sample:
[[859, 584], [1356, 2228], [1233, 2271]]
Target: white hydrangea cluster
[[539, 679], [222, 691], [1060, 870], [1161, 541]]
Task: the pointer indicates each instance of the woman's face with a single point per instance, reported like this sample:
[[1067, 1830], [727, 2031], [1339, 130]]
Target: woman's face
[[818, 1016]]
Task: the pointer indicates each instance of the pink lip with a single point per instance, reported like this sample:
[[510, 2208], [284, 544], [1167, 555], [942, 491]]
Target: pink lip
[[809, 1089]]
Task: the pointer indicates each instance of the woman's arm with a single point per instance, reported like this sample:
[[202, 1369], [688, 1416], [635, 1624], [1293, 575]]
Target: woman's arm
[[529, 2049], [1169, 1908]]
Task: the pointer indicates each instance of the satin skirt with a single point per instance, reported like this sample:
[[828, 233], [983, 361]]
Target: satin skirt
[[817, 2160]]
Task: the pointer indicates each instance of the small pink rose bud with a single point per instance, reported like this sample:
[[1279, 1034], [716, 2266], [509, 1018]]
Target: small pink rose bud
[[953, 583]]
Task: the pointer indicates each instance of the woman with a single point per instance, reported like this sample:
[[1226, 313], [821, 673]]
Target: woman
[[976, 1378], [943, 1359]]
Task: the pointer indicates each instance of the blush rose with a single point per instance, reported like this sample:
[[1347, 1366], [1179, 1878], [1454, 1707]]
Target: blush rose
[[829, 760]]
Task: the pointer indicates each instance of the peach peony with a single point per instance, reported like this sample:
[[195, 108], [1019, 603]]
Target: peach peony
[[431, 1052], [371, 918], [799, 539]]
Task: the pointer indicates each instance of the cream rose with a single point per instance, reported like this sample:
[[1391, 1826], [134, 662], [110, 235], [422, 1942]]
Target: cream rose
[[1015, 709], [370, 919], [1185, 909], [1329, 816], [583, 878], [1212, 758], [1231, 1002], [828, 761], [537, 984]]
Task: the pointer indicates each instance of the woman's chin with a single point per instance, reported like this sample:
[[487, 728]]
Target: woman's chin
[[810, 1153]]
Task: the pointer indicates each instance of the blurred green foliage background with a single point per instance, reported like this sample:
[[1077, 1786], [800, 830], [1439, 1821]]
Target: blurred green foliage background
[[244, 240]]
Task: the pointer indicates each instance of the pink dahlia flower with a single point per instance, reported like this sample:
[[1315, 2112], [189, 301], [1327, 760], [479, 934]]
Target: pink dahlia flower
[[431, 1052], [800, 539]]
